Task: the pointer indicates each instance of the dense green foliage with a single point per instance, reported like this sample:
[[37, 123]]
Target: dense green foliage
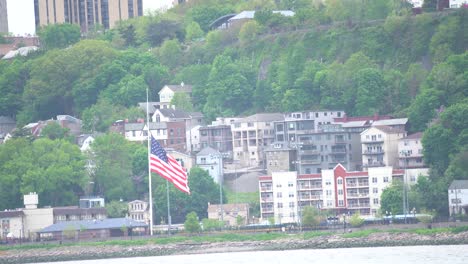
[[365, 57], [191, 223]]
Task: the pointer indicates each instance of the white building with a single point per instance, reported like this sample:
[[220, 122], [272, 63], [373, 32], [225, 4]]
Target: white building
[[211, 160], [284, 194], [458, 197], [410, 151], [168, 91], [139, 211], [380, 146], [457, 3]]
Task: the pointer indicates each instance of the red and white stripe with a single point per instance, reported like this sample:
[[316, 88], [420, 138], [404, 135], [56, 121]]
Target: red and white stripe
[[171, 171]]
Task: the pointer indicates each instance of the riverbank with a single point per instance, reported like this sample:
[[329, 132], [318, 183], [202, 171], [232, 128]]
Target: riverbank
[[311, 240]]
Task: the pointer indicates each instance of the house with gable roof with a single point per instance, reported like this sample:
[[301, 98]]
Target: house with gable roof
[[167, 92], [380, 146]]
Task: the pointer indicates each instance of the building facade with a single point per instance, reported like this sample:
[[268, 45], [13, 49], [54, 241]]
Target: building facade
[[217, 137], [458, 197], [251, 135], [167, 92], [380, 146], [211, 160], [230, 214], [283, 195], [281, 157], [86, 13], [139, 211], [410, 151], [3, 17]]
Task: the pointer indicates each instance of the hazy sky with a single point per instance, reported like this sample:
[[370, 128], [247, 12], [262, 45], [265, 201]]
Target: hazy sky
[[21, 14]]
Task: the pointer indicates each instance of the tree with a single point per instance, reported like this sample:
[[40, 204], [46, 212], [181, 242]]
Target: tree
[[116, 209], [391, 200], [193, 31], [203, 191], [182, 101], [55, 131], [191, 223], [54, 169], [310, 216], [248, 32], [356, 220], [112, 154], [59, 36], [170, 53], [211, 224]]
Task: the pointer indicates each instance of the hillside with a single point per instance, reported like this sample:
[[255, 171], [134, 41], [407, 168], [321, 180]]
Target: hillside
[[365, 57]]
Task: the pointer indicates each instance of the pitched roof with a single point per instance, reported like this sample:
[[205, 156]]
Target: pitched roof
[[140, 126], [417, 135], [459, 184], [182, 88], [390, 130], [207, 151], [229, 207], [263, 117], [391, 122], [109, 223], [174, 113], [8, 214]]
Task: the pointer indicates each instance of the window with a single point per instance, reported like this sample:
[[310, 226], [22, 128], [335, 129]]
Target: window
[[340, 192], [290, 184], [329, 192], [340, 181], [376, 200], [329, 203], [375, 190], [292, 214], [374, 179], [280, 205], [291, 204], [279, 195], [278, 185], [385, 179], [340, 203], [250, 124], [328, 183], [291, 195]]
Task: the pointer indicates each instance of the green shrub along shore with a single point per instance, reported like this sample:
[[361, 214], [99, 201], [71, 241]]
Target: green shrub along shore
[[229, 242]]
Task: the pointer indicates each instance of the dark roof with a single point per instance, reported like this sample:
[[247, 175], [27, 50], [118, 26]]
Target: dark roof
[[173, 113], [6, 120], [459, 184], [180, 88], [7, 214], [109, 223], [207, 151], [417, 135], [77, 211]]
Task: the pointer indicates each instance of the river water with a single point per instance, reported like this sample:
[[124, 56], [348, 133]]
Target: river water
[[457, 254]]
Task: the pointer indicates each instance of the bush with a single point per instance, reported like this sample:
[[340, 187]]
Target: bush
[[356, 220], [191, 224]]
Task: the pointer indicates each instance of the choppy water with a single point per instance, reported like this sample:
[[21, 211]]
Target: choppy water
[[383, 255]]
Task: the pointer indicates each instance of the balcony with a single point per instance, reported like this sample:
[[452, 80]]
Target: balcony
[[357, 195], [267, 199], [373, 152], [310, 161], [310, 152], [338, 150], [307, 187], [267, 210], [358, 205], [374, 164], [340, 141], [357, 184], [372, 141]]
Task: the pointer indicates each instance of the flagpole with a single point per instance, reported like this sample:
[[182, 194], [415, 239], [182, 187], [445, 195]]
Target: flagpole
[[169, 220], [150, 191]]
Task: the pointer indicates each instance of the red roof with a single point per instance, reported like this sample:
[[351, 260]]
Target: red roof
[[265, 178]]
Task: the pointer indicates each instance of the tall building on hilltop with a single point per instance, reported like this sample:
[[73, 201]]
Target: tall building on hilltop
[[86, 13], [3, 17]]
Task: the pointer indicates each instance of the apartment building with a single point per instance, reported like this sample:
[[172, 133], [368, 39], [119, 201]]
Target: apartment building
[[251, 135], [218, 137], [3, 17], [410, 151], [86, 13], [380, 146], [283, 195], [458, 197], [280, 156], [211, 160]]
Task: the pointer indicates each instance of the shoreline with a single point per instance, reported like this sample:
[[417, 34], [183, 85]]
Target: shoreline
[[80, 252]]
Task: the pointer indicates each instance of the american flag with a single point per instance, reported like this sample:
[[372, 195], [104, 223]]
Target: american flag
[[167, 167]]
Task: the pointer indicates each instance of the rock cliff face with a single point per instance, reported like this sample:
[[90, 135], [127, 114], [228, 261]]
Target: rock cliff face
[[332, 241]]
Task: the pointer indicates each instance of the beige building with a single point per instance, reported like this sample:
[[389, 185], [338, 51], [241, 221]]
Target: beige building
[[380, 146], [230, 213], [410, 151], [86, 13], [139, 211], [251, 135]]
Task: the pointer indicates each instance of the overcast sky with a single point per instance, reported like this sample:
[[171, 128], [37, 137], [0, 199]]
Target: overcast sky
[[21, 19]]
